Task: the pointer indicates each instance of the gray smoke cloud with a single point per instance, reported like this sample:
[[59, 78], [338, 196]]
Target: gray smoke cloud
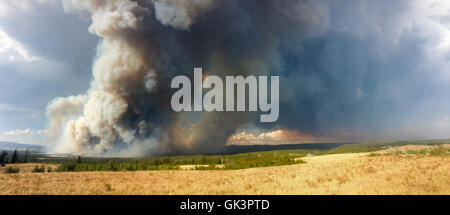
[[348, 69]]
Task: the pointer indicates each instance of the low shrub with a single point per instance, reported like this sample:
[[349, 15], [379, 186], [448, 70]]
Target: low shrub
[[11, 170], [38, 169]]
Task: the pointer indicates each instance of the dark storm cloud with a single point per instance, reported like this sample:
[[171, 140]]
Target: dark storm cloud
[[366, 75]]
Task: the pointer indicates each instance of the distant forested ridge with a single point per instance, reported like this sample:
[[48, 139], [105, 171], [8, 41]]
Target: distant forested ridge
[[20, 146]]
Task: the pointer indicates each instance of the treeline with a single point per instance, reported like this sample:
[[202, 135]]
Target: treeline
[[113, 166], [14, 158], [375, 146], [210, 162]]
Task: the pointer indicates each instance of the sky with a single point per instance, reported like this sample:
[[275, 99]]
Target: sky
[[43, 55], [365, 70]]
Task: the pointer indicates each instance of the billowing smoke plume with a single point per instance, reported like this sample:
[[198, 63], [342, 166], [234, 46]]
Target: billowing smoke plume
[[147, 43], [354, 70]]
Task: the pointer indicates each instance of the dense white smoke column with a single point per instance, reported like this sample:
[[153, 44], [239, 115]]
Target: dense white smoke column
[[144, 44], [91, 124]]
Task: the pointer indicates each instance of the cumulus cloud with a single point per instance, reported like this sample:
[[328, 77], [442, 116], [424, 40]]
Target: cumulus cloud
[[276, 137], [27, 136], [24, 132]]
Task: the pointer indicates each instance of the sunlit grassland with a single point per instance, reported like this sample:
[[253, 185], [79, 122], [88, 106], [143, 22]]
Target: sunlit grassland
[[407, 169]]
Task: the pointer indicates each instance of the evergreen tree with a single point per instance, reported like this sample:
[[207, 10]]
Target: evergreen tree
[[26, 156], [79, 159], [3, 158], [14, 157]]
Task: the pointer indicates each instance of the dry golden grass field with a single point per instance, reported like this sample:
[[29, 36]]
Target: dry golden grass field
[[355, 173]]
